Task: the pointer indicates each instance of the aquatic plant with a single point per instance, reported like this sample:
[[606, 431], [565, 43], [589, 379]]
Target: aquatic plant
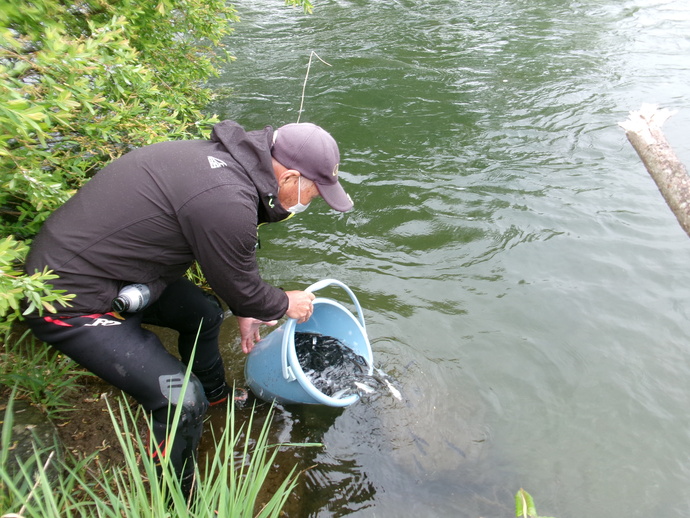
[[524, 505]]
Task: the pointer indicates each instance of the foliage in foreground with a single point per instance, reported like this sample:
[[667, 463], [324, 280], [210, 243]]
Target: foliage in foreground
[[40, 374], [230, 479], [228, 484]]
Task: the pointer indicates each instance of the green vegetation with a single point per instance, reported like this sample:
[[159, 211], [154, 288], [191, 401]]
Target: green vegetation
[[231, 479], [524, 505], [39, 374], [44, 486]]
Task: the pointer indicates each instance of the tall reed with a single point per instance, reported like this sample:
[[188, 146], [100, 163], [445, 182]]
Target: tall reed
[[46, 487]]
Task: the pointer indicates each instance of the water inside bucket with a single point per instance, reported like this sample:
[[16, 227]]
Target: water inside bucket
[[335, 369]]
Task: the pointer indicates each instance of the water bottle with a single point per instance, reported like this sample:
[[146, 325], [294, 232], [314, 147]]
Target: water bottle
[[132, 298]]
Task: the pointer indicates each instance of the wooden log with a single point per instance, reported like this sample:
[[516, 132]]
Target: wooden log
[[643, 129]]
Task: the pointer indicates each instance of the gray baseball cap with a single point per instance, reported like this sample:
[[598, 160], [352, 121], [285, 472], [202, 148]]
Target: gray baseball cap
[[311, 150]]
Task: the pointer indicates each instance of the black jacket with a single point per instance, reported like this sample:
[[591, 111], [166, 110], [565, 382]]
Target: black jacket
[[146, 216]]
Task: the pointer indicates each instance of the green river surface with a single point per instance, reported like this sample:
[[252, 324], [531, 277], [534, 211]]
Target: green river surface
[[522, 279]]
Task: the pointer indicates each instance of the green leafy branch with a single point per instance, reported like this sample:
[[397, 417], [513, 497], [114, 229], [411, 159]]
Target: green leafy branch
[[15, 286], [306, 5]]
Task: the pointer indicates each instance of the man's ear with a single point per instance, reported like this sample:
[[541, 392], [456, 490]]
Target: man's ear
[[287, 176]]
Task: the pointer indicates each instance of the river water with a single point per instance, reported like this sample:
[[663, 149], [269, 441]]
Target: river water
[[522, 279]]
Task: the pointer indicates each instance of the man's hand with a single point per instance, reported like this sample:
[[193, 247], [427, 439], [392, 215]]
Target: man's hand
[[249, 331], [300, 308], [300, 305]]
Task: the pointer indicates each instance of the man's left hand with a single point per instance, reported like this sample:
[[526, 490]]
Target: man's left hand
[[249, 331]]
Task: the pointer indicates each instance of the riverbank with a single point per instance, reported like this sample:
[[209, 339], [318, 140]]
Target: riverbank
[[83, 429], [92, 459]]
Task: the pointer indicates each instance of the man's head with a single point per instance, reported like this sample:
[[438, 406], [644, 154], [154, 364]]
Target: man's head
[[313, 153]]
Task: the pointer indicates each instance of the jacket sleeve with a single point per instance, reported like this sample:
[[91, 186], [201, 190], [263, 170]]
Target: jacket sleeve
[[221, 228]]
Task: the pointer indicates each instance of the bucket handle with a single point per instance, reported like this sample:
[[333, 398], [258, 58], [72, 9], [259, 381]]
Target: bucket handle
[[289, 327], [328, 282]]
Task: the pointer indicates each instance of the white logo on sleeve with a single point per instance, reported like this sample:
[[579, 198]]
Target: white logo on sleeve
[[215, 163]]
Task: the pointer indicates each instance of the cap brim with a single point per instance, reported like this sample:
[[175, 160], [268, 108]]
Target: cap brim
[[335, 196]]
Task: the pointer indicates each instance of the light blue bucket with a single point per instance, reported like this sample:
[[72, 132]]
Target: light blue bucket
[[273, 371]]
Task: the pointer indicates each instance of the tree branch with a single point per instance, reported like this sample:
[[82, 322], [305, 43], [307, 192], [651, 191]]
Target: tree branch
[[643, 129]]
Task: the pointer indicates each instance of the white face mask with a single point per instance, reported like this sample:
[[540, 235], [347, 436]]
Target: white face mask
[[298, 207]]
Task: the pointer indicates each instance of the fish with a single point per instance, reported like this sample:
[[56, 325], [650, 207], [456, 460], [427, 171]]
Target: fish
[[342, 393], [396, 393], [336, 370], [364, 388]]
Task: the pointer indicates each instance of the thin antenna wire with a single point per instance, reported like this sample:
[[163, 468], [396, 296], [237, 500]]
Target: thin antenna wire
[[304, 86]]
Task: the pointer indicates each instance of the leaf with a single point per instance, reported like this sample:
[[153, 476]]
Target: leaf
[[49, 306], [28, 310], [524, 505]]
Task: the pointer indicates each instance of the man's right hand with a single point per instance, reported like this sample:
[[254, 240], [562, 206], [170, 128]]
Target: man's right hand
[[300, 305]]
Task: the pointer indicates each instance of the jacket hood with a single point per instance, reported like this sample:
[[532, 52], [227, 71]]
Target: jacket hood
[[252, 150]]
